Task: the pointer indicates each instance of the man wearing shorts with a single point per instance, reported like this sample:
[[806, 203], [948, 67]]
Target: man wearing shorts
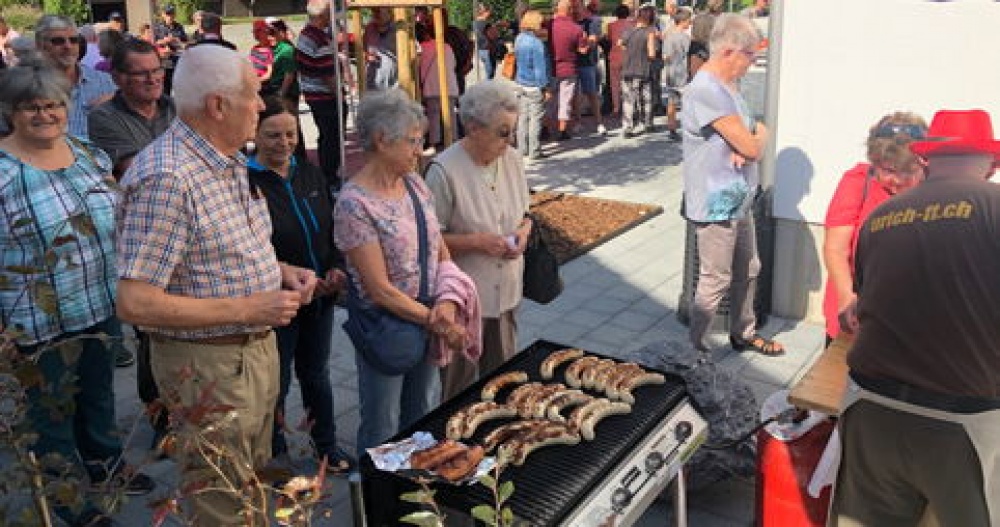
[[567, 40], [586, 66]]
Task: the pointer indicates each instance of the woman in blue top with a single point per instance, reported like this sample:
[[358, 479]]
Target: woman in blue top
[[302, 219], [533, 77]]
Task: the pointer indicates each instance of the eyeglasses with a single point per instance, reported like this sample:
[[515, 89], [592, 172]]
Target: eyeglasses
[[61, 41], [149, 74], [914, 131], [415, 142], [37, 109], [503, 132]]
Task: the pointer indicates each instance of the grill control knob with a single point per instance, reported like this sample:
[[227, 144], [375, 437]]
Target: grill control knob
[[620, 498], [683, 430], [654, 461]]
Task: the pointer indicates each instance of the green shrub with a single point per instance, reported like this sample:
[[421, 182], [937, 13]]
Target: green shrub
[[21, 17]]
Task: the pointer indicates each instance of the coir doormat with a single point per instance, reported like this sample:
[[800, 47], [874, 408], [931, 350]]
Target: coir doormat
[[573, 225]]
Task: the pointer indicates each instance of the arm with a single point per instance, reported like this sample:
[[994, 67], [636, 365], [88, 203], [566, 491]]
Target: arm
[[748, 144], [837, 258], [651, 45]]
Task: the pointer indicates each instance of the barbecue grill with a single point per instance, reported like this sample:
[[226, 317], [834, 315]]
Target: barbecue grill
[[608, 481]]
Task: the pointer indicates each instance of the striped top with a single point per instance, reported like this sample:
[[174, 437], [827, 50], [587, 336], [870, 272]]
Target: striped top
[[191, 226], [92, 86], [315, 55], [57, 245]]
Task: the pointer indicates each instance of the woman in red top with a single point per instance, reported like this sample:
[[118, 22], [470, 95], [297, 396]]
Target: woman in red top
[[892, 168], [262, 55]]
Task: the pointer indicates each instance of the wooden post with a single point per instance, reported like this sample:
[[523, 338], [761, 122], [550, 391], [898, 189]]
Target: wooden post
[[359, 50], [403, 54], [446, 117]]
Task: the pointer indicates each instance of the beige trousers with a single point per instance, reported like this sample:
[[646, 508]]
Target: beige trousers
[[499, 344], [245, 378]]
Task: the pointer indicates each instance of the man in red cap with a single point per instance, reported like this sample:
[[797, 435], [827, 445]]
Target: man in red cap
[[920, 423]]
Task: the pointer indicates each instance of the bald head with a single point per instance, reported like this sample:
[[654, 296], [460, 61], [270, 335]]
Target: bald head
[[564, 7]]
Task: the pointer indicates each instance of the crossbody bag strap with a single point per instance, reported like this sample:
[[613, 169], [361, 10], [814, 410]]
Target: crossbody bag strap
[[422, 249]]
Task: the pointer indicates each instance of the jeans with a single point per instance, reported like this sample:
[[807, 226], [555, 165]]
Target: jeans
[[306, 343], [529, 121], [82, 425], [327, 121], [390, 403], [727, 262], [488, 66]]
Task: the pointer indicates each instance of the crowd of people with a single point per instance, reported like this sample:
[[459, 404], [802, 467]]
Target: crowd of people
[[229, 262]]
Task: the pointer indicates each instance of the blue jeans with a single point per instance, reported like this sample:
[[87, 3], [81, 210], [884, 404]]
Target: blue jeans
[[390, 403], [488, 65], [306, 343], [81, 429]]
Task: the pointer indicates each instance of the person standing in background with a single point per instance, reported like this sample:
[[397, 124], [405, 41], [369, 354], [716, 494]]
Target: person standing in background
[[532, 76], [675, 52], [262, 57], [170, 34], [7, 35], [616, 55], [586, 66]]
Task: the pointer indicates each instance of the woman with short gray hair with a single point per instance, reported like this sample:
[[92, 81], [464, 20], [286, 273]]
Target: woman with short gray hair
[[377, 226], [50, 178], [481, 200]]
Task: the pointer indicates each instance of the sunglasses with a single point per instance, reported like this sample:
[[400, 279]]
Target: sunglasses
[[61, 41], [914, 131]]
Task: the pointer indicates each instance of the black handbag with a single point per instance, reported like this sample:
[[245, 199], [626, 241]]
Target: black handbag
[[542, 282], [390, 344]]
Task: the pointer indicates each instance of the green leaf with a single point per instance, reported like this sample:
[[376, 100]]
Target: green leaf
[[488, 481], [21, 222], [485, 514], [83, 224], [45, 297], [418, 496], [422, 518], [506, 489], [507, 516]]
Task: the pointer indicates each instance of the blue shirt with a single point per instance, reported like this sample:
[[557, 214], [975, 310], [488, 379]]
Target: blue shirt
[[90, 87], [57, 245], [532, 66]]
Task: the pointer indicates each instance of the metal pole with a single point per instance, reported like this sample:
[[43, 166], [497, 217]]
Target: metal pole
[[680, 499], [338, 75], [357, 500], [359, 51]]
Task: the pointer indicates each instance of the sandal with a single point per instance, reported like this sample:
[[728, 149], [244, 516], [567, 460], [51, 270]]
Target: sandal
[[339, 463], [758, 343]]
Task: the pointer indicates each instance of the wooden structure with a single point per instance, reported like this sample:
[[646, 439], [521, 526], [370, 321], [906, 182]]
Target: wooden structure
[[822, 388], [405, 50]]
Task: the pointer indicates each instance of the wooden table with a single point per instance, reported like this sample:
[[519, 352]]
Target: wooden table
[[822, 387]]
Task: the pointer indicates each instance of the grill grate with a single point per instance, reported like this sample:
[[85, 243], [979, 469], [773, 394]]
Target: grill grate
[[554, 479]]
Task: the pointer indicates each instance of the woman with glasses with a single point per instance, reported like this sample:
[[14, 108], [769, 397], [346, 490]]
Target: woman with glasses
[[58, 226], [481, 200], [891, 169], [376, 227]]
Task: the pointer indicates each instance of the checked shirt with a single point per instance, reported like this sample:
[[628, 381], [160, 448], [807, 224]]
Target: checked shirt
[[191, 226]]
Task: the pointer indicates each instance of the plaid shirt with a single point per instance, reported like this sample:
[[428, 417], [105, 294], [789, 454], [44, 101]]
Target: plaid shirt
[[191, 226], [74, 259], [91, 86]]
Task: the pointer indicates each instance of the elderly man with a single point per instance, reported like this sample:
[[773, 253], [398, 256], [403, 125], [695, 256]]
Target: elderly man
[[198, 273], [59, 41], [316, 57], [567, 40], [722, 143], [921, 420]]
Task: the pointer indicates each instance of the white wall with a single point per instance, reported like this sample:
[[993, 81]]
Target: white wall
[[842, 65]]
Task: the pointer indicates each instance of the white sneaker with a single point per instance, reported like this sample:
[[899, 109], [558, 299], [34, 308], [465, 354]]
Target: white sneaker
[[601, 130]]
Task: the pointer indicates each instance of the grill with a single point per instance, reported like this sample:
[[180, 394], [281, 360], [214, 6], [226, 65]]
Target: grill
[[554, 481]]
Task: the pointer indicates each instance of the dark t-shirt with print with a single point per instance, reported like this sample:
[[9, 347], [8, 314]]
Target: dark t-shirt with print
[[927, 272]]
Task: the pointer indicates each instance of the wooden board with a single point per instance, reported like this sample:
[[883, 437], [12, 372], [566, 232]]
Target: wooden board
[[822, 387]]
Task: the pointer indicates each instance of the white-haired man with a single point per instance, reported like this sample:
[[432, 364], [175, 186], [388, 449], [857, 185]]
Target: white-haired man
[[198, 273], [921, 421], [722, 143]]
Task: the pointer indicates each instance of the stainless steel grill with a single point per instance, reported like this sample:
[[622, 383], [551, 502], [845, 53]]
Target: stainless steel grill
[[616, 475]]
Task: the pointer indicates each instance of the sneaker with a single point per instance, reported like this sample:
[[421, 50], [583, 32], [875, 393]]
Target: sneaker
[[564, 136], [537, 157], [674, 136], [639, 130], [601, 130], [124, 358]]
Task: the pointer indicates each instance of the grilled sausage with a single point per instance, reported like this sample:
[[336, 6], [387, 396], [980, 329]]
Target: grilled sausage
[[587, 427], [625, 389], [460, 466], [493, 387], [556, 358], [435, 455]]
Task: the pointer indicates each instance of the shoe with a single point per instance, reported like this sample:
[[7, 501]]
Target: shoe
[[339, 462], [639, 130], [564, 136], [537, 157], [674, 136], [627, 133], [758, 343], [544, 134], [138, 484], [124, 358], [601, 130]]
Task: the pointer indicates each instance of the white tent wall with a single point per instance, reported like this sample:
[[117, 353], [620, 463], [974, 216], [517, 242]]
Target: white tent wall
[[835, 68]]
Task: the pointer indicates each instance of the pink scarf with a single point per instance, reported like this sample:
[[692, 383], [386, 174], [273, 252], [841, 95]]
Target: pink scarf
[[453, 284]]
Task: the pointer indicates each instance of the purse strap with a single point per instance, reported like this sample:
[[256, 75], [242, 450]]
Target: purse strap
[[422, 249]]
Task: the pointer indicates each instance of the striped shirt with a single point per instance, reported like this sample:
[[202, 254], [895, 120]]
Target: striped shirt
[[191, 226], [58, 273], [92, 86], [315, 56]]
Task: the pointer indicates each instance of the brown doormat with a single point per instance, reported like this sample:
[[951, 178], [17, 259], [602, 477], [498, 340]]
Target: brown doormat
[[574, 225]]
